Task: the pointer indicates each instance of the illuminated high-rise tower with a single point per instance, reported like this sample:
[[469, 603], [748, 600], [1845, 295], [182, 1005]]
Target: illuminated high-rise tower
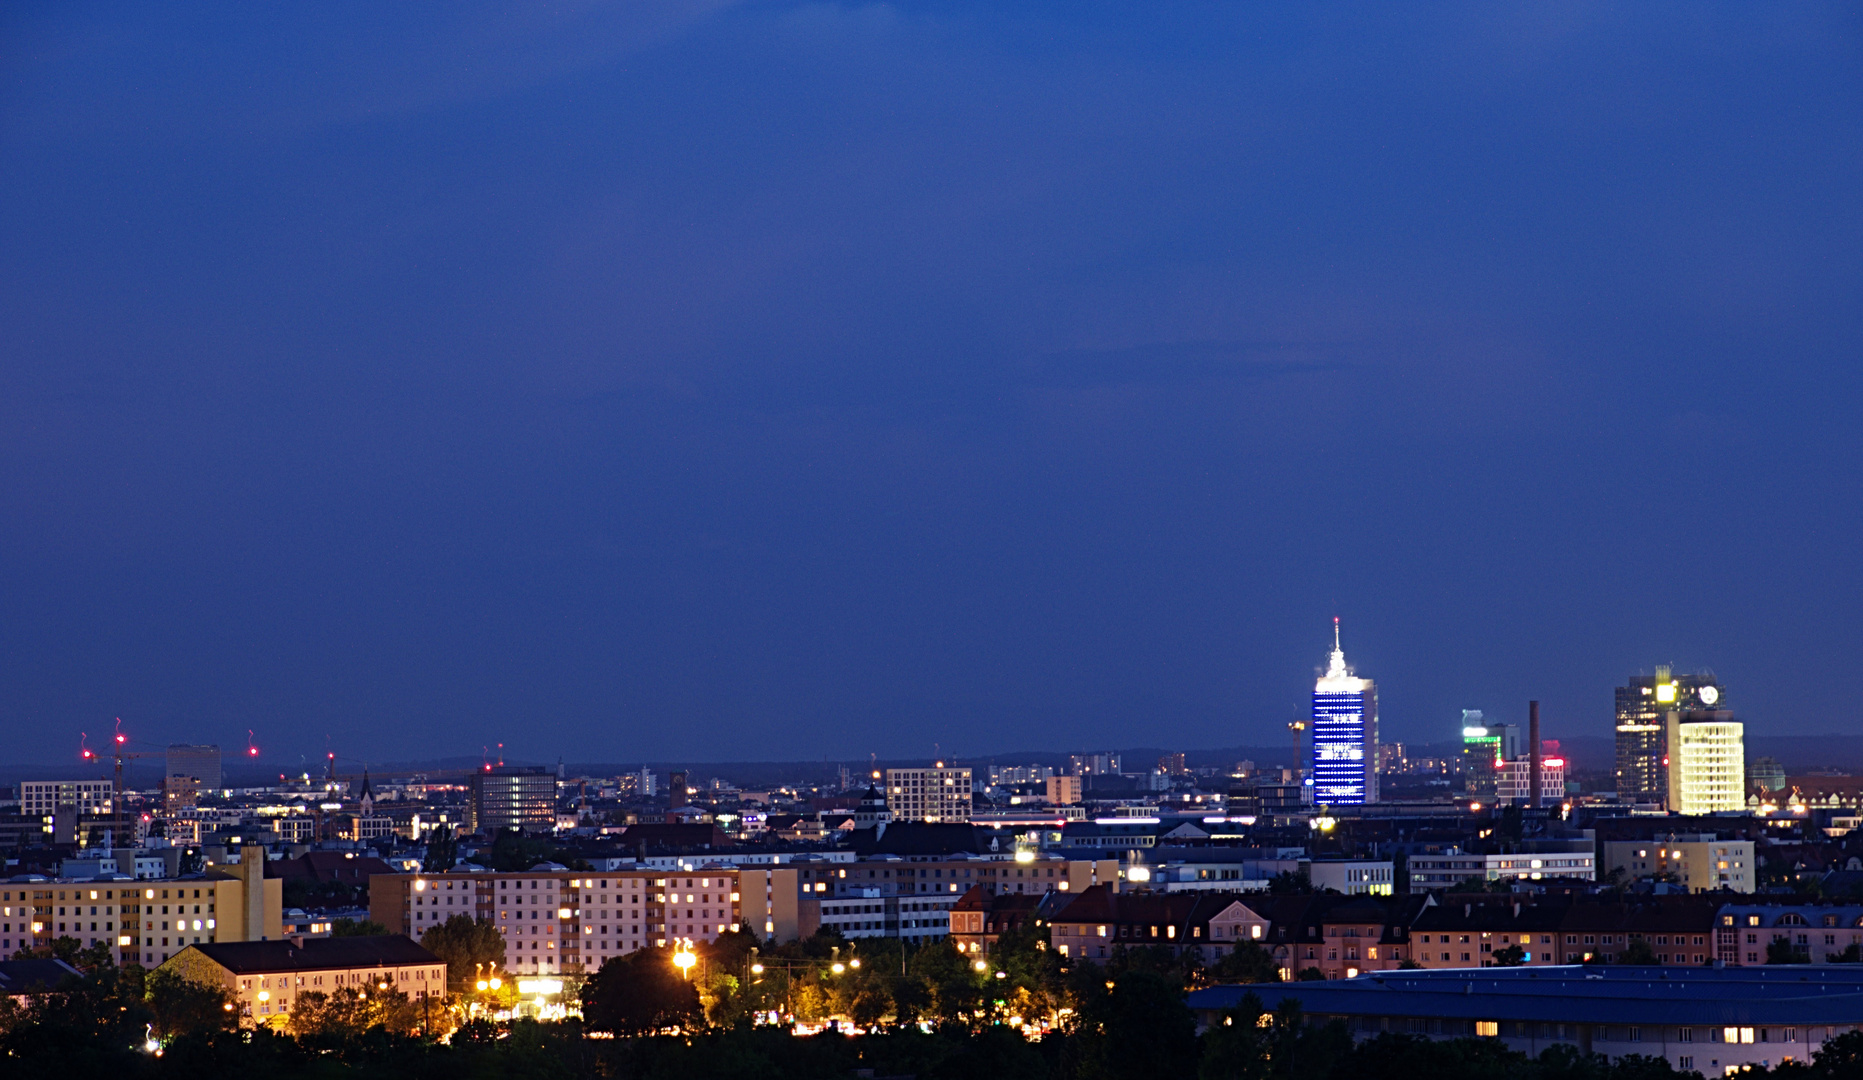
[[1643, 707], [1345, 734]]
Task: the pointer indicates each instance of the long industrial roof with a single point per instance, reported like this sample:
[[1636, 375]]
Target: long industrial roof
[[1784, 995]]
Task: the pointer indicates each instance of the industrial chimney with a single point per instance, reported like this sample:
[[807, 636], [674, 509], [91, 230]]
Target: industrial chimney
[[1533, 750]]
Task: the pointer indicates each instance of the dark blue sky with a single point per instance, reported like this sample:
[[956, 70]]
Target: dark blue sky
[[784, 380]]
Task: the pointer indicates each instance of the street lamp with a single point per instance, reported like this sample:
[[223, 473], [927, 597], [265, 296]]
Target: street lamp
[[981, 966], [837, 968], [683, 959]]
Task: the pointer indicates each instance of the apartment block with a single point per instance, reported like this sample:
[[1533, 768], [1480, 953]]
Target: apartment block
[[555, 920], [937, 795], [1699, 862]]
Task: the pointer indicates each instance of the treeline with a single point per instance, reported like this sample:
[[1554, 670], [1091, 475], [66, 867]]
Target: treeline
[[1138, 1030], [109, 1024], [930, 1013]]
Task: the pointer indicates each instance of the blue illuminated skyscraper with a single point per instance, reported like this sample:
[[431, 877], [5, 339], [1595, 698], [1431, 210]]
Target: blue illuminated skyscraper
[[1345, 734]]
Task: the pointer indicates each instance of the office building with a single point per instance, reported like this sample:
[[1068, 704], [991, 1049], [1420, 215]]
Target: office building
[[1486, 749], [200, 762], [1643, 705], [513, 797], [1352, 877], [1533, 860], [42, 798], [1697, 862], [1514, 782], [1707, 768], [1345, 734], [936, 794]]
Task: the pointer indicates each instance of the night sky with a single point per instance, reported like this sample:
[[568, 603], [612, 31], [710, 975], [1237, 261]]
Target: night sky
[[719, 382]]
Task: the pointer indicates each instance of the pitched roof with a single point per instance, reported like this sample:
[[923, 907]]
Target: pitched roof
[[1098, 903], [254, 957], [25, 976], [923, 838], [330, 866]]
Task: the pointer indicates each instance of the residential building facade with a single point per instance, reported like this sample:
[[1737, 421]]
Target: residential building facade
[[268, 978], [936, 795]]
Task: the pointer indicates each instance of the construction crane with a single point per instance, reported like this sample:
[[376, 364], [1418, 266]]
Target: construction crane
[[120, 752]]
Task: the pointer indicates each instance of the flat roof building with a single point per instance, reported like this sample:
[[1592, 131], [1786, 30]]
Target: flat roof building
[[1713, 1021]]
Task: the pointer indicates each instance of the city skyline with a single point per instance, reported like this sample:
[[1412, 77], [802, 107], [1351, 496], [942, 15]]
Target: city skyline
[[1451, 730]]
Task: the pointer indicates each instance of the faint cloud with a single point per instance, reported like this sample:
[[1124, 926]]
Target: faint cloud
[[1180, 362]]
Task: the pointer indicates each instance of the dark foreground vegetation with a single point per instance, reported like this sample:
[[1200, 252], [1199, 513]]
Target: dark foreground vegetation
[[110, 1023]]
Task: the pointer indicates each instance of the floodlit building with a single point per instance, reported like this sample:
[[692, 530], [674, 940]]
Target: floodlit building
[[1643, 705], [1707, 763], [937, 795], [1345, 734]]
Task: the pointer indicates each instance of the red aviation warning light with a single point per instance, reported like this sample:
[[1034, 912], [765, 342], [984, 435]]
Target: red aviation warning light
[[84, 751], [252, 749]]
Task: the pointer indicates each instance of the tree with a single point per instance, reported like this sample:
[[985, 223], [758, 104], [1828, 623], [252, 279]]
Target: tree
[[1290, 883], [640, 994], [1512, 956], [1780, 950], [1637, 952], [442, 850], [468, 946], [1140, 1028], [184, 1007], [1252, 1044], [1311, 974], [357, 928], [1248, 962], [349, 1013]]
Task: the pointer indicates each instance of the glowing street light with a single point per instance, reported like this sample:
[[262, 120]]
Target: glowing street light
[[756, 969], [837, 968], [981, 966], [683, 959]]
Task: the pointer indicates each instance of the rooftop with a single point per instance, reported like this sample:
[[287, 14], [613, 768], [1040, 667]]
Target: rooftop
[[253, 957], [1576, 994]]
